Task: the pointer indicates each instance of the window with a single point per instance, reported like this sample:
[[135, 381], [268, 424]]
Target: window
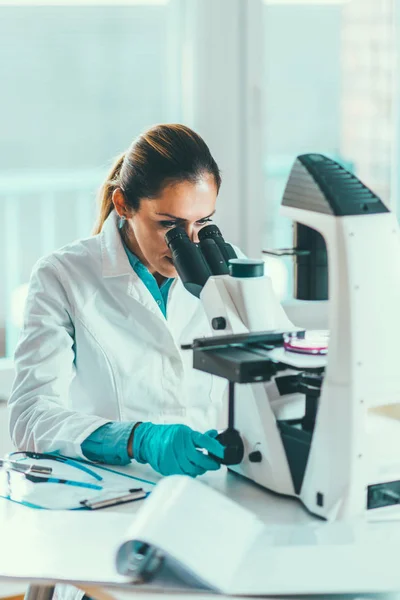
[[79, 81]]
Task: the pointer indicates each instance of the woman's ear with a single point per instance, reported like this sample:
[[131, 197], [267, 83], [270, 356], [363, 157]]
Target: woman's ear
[[118, 199]]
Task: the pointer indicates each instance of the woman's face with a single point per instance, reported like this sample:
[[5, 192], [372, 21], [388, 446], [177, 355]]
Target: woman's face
[[185, 204]]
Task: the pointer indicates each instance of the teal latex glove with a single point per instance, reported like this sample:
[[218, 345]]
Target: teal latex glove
[[174, 449]]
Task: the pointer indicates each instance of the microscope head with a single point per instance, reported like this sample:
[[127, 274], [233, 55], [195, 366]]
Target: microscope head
[[319, 191], [319, 184]]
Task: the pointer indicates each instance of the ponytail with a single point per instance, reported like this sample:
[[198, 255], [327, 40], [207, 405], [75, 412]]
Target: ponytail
[[106, 192]]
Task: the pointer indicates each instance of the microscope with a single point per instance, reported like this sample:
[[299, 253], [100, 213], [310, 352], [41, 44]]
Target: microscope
[[324, 428]]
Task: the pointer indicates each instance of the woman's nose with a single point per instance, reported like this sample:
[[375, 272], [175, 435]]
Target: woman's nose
[[192, 233]]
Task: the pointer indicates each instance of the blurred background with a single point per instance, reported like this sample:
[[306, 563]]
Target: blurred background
[[261, 80]]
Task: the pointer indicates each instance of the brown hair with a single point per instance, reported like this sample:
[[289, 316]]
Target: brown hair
[[162, 155]]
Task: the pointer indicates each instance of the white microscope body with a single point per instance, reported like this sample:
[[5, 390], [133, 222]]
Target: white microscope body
[[355, 442]]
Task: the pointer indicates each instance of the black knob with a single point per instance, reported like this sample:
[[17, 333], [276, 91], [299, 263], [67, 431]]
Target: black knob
[[234, 447], [243, 267], [255, 456], [218, 323]]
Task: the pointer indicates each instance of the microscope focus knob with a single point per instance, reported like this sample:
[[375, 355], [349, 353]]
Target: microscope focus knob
[[218, 323], [255, 456], [245, 267]]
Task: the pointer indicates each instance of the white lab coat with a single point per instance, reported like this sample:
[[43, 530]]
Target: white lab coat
[[95, 347]]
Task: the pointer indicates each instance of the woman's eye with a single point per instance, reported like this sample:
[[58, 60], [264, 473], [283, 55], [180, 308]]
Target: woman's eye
[[204, 221], [168, 224]]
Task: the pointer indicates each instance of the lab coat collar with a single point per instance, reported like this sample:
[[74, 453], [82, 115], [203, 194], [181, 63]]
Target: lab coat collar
[[114, 259]]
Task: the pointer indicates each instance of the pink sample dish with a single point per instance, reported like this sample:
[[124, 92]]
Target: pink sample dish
[[307, 342]]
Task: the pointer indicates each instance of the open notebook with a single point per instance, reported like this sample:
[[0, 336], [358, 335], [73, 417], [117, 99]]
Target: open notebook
[[186, 534]]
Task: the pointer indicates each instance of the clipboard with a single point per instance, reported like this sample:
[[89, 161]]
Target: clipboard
[[56, 482]]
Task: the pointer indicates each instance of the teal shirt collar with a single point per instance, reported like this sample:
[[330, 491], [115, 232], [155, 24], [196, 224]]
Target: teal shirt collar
[[159, 293]]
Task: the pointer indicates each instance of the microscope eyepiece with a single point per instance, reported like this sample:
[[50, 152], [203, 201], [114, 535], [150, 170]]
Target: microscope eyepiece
[[173, 234], [188, 260], [209, 231], [211, 249], [212, 232]]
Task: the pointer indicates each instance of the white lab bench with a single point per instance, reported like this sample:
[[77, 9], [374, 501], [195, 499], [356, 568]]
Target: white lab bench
[[268, 506]]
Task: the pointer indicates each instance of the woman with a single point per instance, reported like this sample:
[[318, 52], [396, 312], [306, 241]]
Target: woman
[[100, 373]]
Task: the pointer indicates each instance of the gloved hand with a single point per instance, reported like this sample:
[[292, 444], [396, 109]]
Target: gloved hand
[[174, 449]]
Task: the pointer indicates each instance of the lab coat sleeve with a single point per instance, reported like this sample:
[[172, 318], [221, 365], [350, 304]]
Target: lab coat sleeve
[[39, 418]]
